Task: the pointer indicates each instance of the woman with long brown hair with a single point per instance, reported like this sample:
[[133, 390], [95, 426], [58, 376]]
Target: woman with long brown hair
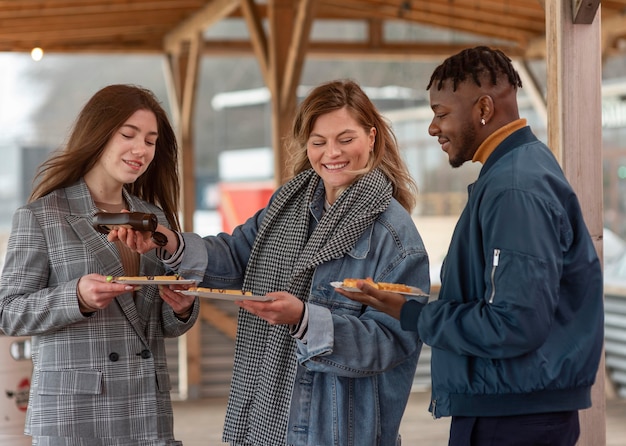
[[99, 367]]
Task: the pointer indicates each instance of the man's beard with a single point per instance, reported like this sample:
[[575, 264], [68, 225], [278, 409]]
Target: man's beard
[[466, 144]]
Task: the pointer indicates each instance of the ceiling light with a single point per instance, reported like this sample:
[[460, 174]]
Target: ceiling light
[[36, 53]]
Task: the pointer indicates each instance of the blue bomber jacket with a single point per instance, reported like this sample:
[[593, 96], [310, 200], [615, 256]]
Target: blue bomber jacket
[[518, 326]]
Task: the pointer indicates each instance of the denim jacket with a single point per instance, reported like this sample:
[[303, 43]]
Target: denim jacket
[[356, 365]]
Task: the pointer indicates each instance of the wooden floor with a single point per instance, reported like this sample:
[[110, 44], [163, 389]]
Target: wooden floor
[[199, 422]]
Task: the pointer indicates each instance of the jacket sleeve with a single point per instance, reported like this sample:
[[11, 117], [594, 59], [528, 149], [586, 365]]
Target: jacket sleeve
[[363, 341], [173, 326], [28, 306], [506, 304], [219, 261]]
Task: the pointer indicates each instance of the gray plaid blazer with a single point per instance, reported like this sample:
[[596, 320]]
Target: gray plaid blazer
[[99, 377]]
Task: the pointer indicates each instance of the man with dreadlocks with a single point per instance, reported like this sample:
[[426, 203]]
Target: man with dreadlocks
[[516, 333]]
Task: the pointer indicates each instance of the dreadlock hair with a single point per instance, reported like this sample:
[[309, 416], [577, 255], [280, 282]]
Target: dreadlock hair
[[478, 63]]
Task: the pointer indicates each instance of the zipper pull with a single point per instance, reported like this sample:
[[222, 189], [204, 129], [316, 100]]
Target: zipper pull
[[496, 260]]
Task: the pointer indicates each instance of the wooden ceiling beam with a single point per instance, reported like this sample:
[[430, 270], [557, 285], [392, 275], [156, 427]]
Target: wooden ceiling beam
[[104, 46], [129, 32], [112, 25], [140, 26], [213, 12], [359, 50], [505, 29], [319, 50], [476, 8], [66, 10], [51, 4], [258, 38], [328, 9], [360, 11], [526, 8], [297, 51], [375, 33]]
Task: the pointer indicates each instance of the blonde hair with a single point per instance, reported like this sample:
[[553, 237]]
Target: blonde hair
[[338, 94]]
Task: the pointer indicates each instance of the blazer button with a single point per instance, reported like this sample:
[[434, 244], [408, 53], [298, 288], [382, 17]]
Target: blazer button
[[113, 357], [145, 354]]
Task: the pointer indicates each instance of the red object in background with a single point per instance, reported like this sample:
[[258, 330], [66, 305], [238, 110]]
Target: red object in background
[[16, 367], [241, 200], [21, 394]]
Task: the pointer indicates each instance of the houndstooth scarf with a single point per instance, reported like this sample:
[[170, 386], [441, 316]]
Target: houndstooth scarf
[[284, 257]]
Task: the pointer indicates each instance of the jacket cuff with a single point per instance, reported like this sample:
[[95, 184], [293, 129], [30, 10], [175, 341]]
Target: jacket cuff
[[409, 314]]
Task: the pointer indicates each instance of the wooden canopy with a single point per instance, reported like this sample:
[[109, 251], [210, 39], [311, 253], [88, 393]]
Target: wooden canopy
[[565, 33], [277, 34], [152, 26]]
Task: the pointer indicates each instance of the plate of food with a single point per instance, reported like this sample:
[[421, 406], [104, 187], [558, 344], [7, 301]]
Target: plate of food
[[350, 285], [223, 294], [151, 280]]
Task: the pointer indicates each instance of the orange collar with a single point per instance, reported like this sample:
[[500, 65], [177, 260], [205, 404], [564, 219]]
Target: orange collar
[[494, 140]]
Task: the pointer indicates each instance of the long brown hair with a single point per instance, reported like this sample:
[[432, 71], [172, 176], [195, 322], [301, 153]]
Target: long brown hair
[[335, 95], [99, 119]]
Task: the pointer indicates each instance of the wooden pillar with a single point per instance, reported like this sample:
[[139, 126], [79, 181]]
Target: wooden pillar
[[281, 15], [289, 25], [182, 79], [182, 74], [574, 71], [183, 46]]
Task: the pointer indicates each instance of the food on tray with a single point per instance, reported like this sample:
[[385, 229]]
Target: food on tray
[[351, 283], [220, 291], [136, 278], [397, 287], [385, 286]]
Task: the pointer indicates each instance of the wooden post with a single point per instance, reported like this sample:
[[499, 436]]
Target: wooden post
[[182, 74], [290, 23], [574, 70], [281, 14]]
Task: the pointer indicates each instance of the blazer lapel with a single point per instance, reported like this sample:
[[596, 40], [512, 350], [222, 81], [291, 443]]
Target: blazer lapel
[[105, 252], [80, 217]]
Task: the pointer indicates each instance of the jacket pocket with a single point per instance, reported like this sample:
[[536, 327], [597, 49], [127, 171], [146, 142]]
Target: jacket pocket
[[70, 382], [163, 381]]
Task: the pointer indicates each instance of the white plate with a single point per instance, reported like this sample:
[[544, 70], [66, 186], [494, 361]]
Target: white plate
[[149, 280], [414, 291], [221, 294]]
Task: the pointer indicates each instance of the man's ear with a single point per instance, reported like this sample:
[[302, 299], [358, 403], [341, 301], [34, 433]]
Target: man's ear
[[486, 107]]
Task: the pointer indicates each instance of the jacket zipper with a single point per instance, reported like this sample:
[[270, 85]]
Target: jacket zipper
[[496, 260]]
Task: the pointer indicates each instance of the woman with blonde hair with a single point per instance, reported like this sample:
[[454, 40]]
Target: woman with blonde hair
[[311, 366], [385, 153]]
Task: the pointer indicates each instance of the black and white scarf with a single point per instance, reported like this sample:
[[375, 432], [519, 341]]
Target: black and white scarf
[[284, 257]]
